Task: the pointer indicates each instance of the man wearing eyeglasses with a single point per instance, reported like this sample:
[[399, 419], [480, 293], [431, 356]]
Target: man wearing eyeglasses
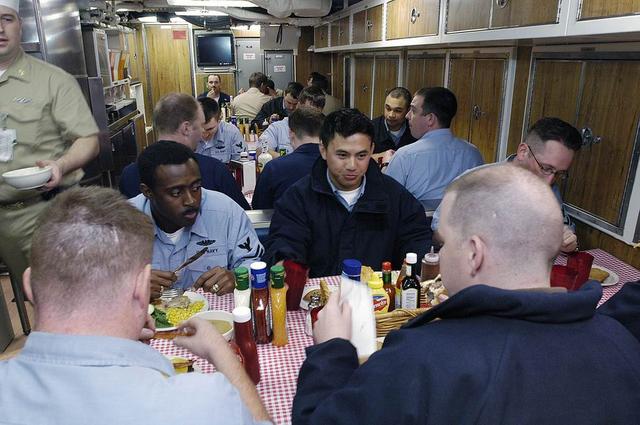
[[547, 151]]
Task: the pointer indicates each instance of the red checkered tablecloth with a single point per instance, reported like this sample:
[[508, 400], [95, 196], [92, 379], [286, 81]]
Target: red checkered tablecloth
[[279, 366], [625, 272]]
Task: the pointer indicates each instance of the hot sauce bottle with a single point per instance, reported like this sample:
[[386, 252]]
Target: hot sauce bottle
[[387, 285], [260, 302], [244, 340], [411, 283]]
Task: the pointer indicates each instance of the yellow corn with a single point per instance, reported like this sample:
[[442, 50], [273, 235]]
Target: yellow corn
[[176, 315]]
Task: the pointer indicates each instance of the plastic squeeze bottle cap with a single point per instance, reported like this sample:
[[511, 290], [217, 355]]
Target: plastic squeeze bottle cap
[[242, 278], [432, 257], [241, 314], [277, 277], [351, 267], [411, 258], [375, 282]]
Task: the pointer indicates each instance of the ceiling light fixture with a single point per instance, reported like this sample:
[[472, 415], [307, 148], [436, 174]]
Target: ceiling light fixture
[[211, 3], [201, 12]]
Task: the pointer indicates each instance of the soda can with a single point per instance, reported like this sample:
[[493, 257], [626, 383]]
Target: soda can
[[259, 274]]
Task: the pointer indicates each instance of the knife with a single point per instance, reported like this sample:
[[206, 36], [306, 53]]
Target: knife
[[191, 259]]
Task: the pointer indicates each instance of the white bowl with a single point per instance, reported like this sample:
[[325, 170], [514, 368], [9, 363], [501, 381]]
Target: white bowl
[[218, 315], [28, 178]]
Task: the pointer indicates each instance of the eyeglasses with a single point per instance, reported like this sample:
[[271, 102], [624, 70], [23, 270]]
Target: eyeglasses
[[548, 170]]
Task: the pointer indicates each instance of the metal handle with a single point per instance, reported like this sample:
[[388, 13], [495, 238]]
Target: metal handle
[[477, 112], [369, 25], [588, 138], [414, 15], [502, 3], [365, 87]]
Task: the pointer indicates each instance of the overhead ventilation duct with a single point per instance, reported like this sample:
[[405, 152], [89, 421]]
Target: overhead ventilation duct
[[301, 8], [246, 15]]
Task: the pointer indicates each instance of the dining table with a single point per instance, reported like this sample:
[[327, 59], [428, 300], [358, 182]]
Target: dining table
[[279, 366]]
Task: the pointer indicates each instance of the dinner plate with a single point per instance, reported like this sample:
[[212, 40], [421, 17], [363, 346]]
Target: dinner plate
[[193, 297], [612, 279]]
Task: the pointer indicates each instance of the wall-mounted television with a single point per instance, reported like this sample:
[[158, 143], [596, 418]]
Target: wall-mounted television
[[214, 49]]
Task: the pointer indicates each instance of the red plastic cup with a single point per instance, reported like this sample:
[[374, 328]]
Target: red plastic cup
[[296, 276], [564, 277], [580, 262]]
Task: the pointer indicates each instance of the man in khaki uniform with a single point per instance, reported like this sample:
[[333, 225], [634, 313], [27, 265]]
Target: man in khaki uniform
[[248, 104], [44, 121]]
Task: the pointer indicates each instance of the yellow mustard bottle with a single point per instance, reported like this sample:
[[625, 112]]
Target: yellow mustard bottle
[[278, 297], [379, 295]]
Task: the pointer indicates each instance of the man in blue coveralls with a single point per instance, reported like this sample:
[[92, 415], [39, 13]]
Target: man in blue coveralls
[[189, 219]]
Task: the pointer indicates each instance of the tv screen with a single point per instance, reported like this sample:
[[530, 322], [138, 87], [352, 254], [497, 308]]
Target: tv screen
[[214, 49]]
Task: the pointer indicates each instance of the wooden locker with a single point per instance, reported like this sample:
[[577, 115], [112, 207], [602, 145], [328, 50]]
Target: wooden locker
[[374, 24], [360, 27], [514, 13], [363, 85], [422, 17], [591, 9], [465, 15], [397, 11], [321, 38], [386, 78], [461, 84]]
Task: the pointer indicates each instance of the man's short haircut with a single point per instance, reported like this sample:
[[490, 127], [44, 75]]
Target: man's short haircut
[[439, 101], [549, 128], [293, 88], [163, 152], [345, 122], [172, 110], [210, 108], [214, 75], [510, 208], [306, 121], [257, 79], [313, 96], [319, 80], [270, 84], [401, 92], [88, 241]]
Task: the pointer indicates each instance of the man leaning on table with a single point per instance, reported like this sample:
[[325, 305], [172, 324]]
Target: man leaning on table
[[89, 284], [45, 121], [502, 349], [547, 151], [346, 208], [188, 220]]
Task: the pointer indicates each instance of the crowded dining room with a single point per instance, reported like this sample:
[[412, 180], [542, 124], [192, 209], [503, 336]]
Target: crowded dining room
[[319, 212]]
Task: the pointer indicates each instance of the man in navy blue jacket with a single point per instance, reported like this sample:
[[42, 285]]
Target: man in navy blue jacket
[[503, 350], [346, 208], [179, 118], [278, 175]]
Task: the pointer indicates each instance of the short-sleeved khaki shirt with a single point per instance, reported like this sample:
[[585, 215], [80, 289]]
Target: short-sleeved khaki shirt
[[248, 104], [48, 111]]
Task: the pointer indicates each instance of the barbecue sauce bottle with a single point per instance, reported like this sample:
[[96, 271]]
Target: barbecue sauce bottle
[[411, 283], [243, 332]]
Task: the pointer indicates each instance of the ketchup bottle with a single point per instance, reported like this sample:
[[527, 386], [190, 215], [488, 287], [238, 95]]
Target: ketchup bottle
[[244, 339]]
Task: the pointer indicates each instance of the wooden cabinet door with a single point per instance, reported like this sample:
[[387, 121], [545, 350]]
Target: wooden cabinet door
[[360, 27], [344, 31], [363, 85], [337, 80], [321, 38], [487, 106], [465, 15], [556, 88], [397, 19], [591, 9], [514, 13], [373, 24], [423, 17], [386, 78], [424, 72], [335, 33], [609, 107], [461, 84]]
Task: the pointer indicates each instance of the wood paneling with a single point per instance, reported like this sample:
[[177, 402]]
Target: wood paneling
[[303, 59], [374, 23], [360, 27], [386, 78], [340, 32], [227, 83], [363, 85], [144, 65], [461, 84], [556, 87], [424, 72], [136, 66], [519, 101], [468, 15], [426, 23], [169, 61], [337, 77], [589, 238], [609, 160], [487, 96], [321, 36], [397, 13], [524, 12], [248, 32], [607, 8]]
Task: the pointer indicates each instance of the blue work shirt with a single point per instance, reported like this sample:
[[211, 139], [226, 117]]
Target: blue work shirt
[[348, 205], [221, 226], [81, 379], [225, 145], [279, 174], [427, 166], [277, 136], [215, 176]]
